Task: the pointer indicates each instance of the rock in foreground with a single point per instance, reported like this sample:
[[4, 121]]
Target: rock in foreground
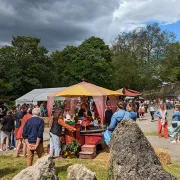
[[80, 172], [132, 157], [43, 169]]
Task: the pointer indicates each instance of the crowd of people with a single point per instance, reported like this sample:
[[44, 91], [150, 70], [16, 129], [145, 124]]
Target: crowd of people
[[23, 126]]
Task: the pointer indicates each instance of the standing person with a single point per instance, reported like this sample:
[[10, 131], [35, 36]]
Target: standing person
[[174, 130], [141, 110], [152, 111], [19, 134], [64, 104], [96, 114], [162, 121], [7, 126], [3, 111], [33, 136], [108, 114], [12, 139], [55, 133], [132, 110], [18, 117], [118, 116], [44, 110], [66, 115], [137, 107]]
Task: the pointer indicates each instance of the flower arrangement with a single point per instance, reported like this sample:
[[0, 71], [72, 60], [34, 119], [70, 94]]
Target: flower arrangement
[[71, 150]]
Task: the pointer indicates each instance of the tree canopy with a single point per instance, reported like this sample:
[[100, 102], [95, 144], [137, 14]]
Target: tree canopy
[[140, 59]]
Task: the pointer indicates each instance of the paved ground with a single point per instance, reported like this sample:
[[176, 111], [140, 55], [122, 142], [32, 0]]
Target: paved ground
[[148, 127]]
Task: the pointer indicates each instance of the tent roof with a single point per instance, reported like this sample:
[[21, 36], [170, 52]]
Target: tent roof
[[85, 89], [129, 92], [38, 94]]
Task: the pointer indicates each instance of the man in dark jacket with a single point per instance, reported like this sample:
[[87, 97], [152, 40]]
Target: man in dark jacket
[[7, 126], [33, 135]]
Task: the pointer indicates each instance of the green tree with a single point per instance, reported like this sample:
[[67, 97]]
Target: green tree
[[25, 65], [138, 55], [171, 63], [62, 62], [93, 62], [90, 60]]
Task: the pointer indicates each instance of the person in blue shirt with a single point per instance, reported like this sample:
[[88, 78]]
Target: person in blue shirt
[[132, 110], [33, 136], [174, 130], [118, 116]]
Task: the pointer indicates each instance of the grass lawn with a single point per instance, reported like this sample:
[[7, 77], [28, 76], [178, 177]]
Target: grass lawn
[[10, 166], [153, 133]]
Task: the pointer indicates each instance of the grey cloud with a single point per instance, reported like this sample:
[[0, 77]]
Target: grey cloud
[[57, 22]]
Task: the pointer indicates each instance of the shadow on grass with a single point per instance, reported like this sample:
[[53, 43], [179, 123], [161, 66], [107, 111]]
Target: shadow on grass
[[7, 171], [62, 170]]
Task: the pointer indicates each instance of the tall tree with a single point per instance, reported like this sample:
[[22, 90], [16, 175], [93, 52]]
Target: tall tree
[[146, 48], [25, 65], [90, 60], [93, 62], [62, 62], [171, 63]]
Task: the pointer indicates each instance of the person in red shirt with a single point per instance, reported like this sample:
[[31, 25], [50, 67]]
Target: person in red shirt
[[55, 132], [20, 132]]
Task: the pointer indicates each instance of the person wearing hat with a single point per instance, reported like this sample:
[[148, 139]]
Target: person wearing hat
[[108, 114], [118, 116], [174, 130]]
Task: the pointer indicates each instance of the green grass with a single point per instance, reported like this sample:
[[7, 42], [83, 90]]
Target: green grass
[[153, 133], [97, 166], [10, 166], [174, 169]]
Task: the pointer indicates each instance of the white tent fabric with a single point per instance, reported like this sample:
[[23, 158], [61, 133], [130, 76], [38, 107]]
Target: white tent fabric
[[38, 95]]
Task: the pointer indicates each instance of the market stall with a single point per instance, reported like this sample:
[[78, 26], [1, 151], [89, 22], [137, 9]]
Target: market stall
[[129, 92], [85, 136]]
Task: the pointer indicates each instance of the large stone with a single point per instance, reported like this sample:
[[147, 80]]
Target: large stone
[[80, 172], [132, 157], [43, 169]]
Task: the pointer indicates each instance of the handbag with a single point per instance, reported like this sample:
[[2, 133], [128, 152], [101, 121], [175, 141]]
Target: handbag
[[107, 136], [174, 125]]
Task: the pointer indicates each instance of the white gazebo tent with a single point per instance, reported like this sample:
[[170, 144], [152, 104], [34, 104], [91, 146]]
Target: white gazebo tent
[[38, 95]]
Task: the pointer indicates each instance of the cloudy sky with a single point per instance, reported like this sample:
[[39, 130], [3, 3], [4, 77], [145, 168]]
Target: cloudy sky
[[68, 22]]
